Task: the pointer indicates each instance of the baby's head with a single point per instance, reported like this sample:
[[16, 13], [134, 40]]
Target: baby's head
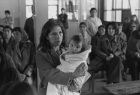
[[76, 43]]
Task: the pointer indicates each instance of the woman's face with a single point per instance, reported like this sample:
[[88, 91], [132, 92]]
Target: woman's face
[[55, 37], [110, 30], [17, 35], [120, 28], [83, 29], [101, 31], [7, 33], [93, 13], [134, 18], [133, 27]]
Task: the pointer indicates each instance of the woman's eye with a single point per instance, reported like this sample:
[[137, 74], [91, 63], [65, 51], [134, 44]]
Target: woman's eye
[[72, 45], [60, 32], [54, 34]]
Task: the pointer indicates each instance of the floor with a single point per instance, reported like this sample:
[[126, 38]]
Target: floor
[[100, 83]]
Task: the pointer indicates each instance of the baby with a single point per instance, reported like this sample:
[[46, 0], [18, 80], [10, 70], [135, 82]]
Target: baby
[[70, 60]]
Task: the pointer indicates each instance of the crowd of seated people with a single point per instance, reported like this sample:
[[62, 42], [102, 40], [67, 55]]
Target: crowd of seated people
[[17, 63], [115, 49]]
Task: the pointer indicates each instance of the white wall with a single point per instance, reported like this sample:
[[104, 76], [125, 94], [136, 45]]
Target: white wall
[[22, 13], [41, 16]]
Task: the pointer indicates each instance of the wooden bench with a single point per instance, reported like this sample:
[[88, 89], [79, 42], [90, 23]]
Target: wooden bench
[[124, 88]]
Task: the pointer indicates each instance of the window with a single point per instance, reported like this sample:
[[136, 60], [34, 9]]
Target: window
[[71, 7], [52, 9], [85, 8], [29, 4], [113, 9]]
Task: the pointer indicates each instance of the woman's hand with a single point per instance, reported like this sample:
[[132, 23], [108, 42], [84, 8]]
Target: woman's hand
[[80, 71]]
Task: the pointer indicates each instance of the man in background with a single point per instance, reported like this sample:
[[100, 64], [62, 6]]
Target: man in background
[[8, 19], [29, 26], [63, 18]]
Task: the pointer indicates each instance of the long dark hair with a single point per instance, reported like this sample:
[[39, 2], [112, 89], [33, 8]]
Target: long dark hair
[[46, 29]]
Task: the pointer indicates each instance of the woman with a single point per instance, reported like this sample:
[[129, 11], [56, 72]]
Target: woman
[[23, 53], [84, 33], [8, 70], [93, 22], [47, 58], [115, 47]]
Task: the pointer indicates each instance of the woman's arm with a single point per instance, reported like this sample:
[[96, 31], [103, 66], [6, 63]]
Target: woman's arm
[[49, 73]]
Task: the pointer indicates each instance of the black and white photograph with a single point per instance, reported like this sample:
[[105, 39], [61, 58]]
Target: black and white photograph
[[69, 47]]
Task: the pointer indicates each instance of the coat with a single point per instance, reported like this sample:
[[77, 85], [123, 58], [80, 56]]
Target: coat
[[46, 64], [29, 28], [103, 46]]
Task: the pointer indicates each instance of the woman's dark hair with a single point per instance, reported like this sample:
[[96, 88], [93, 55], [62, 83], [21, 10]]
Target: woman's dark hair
[[19, 88], [82, 23], [1, 34], [92, 9], [7, 11], [47, 28], [17, 29], [113, 24], [101, 26], [1, 26], [77, 39], [5, 27], [62, 9]]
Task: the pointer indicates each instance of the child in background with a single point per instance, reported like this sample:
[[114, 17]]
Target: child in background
[[70, 60]]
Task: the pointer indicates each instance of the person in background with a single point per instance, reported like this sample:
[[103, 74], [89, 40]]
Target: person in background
[[122, 39], [93, 22], [47, 58], [135, 20], [125, 27], [132, 28], [8, 39], [84, 33], [63, 18], [23, 53], [8, 20], [29, 26], [133, 55]]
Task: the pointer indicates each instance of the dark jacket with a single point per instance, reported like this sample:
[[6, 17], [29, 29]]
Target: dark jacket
[[131, 48], [46, 64], [63, 18], [29, 28]]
